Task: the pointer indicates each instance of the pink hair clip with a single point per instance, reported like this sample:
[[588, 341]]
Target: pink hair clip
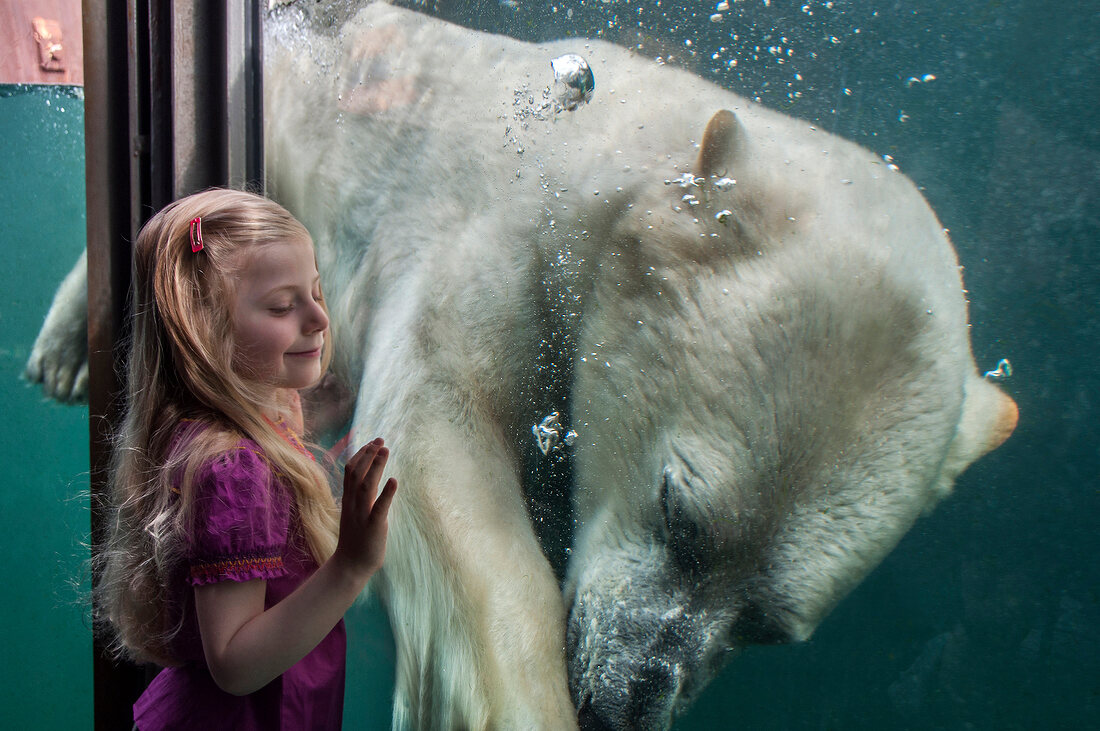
[[196, 234]]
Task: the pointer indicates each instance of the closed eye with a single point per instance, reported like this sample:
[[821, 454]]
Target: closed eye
[[663, 497], [682, 534]]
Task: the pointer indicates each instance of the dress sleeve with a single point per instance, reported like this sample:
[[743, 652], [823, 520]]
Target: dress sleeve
[[241, 519]]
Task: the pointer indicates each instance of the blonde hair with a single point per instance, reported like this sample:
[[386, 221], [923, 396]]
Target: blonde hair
[[181, 366]]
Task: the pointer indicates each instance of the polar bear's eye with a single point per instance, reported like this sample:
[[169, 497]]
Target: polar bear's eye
[[666, 479], [681, 532]]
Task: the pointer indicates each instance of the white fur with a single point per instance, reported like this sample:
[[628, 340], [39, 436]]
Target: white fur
[[59, 358]]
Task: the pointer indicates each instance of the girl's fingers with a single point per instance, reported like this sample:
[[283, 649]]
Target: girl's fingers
[[354, 471], [374, 470], [362, 474], [356, 468], [381, 507]]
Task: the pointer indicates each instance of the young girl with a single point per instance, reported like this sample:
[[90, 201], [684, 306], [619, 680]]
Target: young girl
[[228, 561]]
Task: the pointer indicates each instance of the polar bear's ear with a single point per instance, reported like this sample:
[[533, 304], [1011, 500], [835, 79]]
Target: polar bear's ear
[[989, 417], [721, 142]]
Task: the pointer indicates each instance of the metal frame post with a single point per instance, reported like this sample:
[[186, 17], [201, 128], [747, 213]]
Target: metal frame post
[[173, 104]]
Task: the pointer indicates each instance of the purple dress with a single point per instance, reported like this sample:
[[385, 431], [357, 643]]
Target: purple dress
[[243, 521]]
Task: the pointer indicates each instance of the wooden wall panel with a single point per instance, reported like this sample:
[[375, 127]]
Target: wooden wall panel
[[19, 52]]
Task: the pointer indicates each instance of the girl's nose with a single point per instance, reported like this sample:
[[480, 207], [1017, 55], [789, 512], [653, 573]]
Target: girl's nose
[[318, 320]]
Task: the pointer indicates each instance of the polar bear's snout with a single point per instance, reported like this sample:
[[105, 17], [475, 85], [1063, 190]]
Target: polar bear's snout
[[639, 668], [641, 650]]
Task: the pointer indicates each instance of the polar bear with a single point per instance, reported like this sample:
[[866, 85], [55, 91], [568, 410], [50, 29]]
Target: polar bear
[[754, 332]]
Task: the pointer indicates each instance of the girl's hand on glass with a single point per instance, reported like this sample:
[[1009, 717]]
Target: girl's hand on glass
[[364, 511]]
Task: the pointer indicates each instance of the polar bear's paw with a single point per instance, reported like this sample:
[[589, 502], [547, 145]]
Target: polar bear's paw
[[59, 358], [63, 374]]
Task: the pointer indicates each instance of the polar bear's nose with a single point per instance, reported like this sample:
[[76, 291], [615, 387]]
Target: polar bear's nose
[[589, 720], [647, 702], [652, 693]]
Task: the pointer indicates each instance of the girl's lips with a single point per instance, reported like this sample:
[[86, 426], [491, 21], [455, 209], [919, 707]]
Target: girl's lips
[[315, 353]]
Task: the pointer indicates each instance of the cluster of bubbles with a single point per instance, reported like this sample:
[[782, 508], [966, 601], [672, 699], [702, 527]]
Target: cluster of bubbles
[[527, 106], [549, 436], [573, 85]]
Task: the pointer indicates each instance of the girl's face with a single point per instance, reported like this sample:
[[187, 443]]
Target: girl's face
[[278, 322]]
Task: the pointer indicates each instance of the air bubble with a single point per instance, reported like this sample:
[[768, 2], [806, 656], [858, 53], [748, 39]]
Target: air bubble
[[1001, 372], [574, 83]]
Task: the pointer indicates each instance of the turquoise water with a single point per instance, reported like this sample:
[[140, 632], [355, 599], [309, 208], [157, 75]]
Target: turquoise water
[[986, 615], [46, 677]]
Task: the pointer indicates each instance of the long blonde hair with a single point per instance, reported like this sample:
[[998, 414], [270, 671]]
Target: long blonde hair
[[180, 366]]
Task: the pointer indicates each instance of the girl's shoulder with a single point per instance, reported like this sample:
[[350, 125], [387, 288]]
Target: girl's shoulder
[[227, 476], [210, 453], [210, 439], [241, 512]]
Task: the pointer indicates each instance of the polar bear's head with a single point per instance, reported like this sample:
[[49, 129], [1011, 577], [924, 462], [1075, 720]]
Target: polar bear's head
[[773, 381]]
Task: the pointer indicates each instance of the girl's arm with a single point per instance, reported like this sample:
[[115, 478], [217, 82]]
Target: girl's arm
[[247, 647]]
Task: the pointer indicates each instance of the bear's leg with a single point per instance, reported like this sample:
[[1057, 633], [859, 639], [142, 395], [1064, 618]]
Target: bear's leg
[[476, 611], [59, 359]]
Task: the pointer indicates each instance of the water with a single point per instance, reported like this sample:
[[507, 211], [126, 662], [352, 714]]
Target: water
[[986, 614], [46, 679]]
